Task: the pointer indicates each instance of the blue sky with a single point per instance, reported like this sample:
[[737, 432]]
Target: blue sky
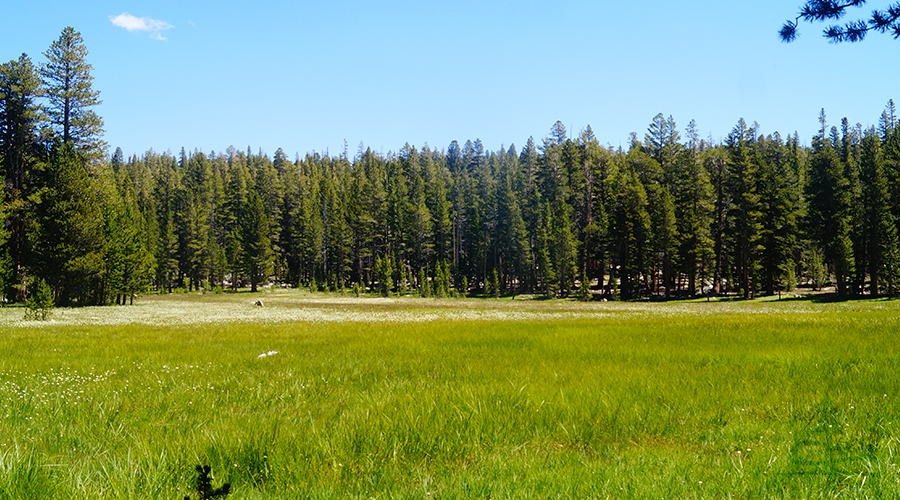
[[307, 76]]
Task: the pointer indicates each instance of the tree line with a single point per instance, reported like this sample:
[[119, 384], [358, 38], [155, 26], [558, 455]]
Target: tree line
[[668, 216]]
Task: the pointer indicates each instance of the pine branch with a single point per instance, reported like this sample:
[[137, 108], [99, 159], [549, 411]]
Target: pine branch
[[883, 21]]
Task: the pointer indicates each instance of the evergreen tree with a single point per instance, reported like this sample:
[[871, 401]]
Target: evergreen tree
[[513, 252], [166, 191], [632, 233], [129, 263], [546, 273], [692, 194], [66, 229], [881, 246], [21, 117], [68, 83], [778, 196], [384, 275], [195, 219], [232, 220], [361, 224], [715, 164], [829, 217], [257, 251], [746, 210]]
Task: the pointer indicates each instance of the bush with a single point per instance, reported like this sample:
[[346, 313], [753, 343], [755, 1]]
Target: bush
[[584, 290], [39, 304]]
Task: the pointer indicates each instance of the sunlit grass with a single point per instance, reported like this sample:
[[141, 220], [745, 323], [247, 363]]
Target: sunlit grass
[[421, 398]]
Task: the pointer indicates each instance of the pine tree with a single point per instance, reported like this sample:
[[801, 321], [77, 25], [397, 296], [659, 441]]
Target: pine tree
[[67, 80], [384, 275], [339, 262], [21, 117], [166, 192], [233, 214], [545, 269], [881, 245], [692, 194], [745, 210], [513, 252], [494, 284], [632, 233], [195, 219], [424, 284], [257, 251], [829, 218], [715, 164], [779, 194], [129, 263], [66, 230], [361, 224], [882, 20]]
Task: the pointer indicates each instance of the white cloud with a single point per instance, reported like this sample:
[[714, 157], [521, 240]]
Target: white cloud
[[132, 23]]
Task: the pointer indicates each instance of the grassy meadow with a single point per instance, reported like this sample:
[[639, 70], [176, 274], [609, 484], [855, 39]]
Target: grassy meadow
[[451, 399]]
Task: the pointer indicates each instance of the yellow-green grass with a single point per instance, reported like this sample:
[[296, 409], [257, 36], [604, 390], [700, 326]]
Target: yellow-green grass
[[423, 398]]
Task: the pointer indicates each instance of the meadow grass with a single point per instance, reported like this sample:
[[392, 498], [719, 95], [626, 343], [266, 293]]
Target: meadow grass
[[423, 398]]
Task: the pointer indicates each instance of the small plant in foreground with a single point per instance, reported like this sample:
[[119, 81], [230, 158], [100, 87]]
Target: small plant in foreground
[[39, 304], [584, 289], [204, 485], [494, 285]]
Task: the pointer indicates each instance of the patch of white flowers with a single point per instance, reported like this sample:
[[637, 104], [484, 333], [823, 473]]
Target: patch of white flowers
[[175, 311]]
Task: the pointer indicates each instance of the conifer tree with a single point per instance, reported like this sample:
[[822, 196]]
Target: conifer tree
[[129, 263], [66, 229], [166, 191], [779, 194], [829, 216], [632, 234], [21, 117], [257, 251], [745, 210], [692, 194], [384, 275], [879, 225], [68, 83]]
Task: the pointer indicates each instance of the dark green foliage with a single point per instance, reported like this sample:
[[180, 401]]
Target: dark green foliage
[[257, 248], [66, 229], [494, 285], [669, 217], [632, 235], [21, 118], [745, 212], [39, 304], [779, 194], [885, 20], [830, 211], [384, 272], [67, 79], [880, 246], [584, 290], [205, 489], [129, 262]]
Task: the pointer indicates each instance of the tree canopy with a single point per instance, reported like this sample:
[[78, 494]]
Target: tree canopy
[[564, 216]]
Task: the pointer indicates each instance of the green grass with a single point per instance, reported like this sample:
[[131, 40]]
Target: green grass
[[423, 398]]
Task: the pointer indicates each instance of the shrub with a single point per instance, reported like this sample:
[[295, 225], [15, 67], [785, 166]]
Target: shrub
[[39, 304]]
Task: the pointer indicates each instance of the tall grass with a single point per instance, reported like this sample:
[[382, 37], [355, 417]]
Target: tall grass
[[452, 399]]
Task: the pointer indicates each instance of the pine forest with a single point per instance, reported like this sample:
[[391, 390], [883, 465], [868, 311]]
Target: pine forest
[[672, 215]]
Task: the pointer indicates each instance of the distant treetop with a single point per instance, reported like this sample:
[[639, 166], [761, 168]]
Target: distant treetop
[[882, 20]]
